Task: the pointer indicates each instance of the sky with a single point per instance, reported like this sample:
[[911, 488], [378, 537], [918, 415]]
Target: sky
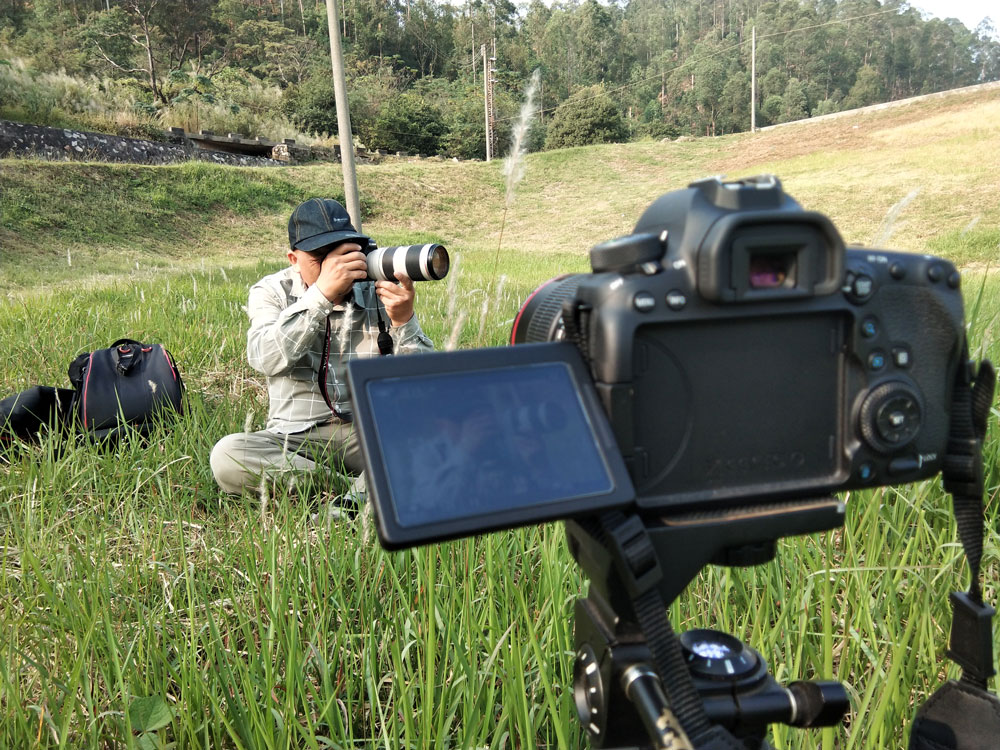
[[969, 12]]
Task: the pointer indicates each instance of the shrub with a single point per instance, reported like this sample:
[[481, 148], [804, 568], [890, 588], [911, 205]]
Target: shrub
[[407, 123], [588, 116]]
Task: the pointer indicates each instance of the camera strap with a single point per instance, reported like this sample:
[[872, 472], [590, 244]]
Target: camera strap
[[639, 569], [964, 715], [971, 645], [384, 339]]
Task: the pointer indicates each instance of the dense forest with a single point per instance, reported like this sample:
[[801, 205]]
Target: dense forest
[[624, 70]]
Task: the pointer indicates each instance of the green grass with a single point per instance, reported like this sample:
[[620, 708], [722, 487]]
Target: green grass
[[140, 608]]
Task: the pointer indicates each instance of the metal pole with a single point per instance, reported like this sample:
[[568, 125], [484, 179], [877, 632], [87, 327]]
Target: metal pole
[[753, 80], [343, 117], [486, 100], [493, 111]]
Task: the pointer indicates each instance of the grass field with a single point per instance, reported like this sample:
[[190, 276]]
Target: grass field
[[140, 609]]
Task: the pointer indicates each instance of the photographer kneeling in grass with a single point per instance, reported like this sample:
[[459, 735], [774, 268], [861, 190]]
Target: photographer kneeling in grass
[[306, 323]]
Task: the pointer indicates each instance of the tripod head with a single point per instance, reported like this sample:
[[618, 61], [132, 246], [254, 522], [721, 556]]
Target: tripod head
[[636, 684]]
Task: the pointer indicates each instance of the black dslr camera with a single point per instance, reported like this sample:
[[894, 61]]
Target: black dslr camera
[[740, 352], [701, 394]]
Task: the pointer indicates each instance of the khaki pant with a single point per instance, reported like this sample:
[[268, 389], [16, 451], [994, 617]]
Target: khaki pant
[[238, 461]]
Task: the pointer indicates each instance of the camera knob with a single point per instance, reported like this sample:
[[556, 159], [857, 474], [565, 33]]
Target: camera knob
[[890, 417], [588, 691], [628, 254], [713, 655]]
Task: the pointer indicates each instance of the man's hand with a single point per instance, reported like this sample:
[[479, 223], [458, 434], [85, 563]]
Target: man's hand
[[341, 267], [397, 298]]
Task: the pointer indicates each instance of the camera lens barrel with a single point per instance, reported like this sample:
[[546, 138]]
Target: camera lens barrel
[[540, 317], [427, 262]]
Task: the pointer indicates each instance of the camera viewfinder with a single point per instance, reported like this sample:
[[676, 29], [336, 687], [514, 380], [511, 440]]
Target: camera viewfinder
[[770, 270]]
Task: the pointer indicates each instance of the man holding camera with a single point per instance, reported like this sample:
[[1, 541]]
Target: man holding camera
[[306, 323]]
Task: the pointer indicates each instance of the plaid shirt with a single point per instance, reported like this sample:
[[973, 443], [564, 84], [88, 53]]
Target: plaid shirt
[[288, 327]]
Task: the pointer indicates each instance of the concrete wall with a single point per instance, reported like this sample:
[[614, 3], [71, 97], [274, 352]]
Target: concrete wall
[[17, 139], [35, 141]]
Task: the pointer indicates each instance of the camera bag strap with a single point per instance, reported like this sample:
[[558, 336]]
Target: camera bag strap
[[964, 715]]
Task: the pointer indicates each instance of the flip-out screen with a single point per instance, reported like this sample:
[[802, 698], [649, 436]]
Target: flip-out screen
[[461, 443]]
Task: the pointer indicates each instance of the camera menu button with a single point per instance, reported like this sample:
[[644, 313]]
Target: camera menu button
[[644, 301], [901, 357], [869, 328], [876, 361]]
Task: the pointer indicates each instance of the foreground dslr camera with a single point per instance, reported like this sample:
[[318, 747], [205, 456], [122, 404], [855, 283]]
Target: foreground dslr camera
[[724, 369], [741, 353]]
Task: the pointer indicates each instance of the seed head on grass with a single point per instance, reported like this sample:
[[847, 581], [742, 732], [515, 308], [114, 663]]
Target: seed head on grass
[[889, 222], [265, 497], [456, 332], [452, 292]]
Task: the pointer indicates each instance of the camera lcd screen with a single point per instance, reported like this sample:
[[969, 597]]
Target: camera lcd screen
[[465, 442], [739, 408]]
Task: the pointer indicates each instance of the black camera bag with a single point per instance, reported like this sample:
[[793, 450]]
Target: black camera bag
[[24, 415], [959, 716], [127, 386]]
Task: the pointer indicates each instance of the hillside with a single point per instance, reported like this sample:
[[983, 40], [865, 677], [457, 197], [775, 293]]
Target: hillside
[[143, 608], [109, 218]]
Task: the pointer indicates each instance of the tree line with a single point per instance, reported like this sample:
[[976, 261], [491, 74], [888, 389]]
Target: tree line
[[625, 70]]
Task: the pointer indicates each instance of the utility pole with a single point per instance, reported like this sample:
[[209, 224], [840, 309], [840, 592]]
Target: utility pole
[[486, 104], [488, 81], [343, 117], [493, 80], [753, 79]]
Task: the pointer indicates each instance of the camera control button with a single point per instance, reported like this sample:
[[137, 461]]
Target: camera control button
[[676, 299], [904, 465], [858, 287], [876, 361], [866, 472], [954, 279], [644, 301], [869, 328], [863, 286], [890, 417], [901, 357], [897, 271], [935, 273]]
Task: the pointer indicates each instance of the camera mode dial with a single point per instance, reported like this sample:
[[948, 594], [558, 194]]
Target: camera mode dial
[[890, 417], [635, 252]]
